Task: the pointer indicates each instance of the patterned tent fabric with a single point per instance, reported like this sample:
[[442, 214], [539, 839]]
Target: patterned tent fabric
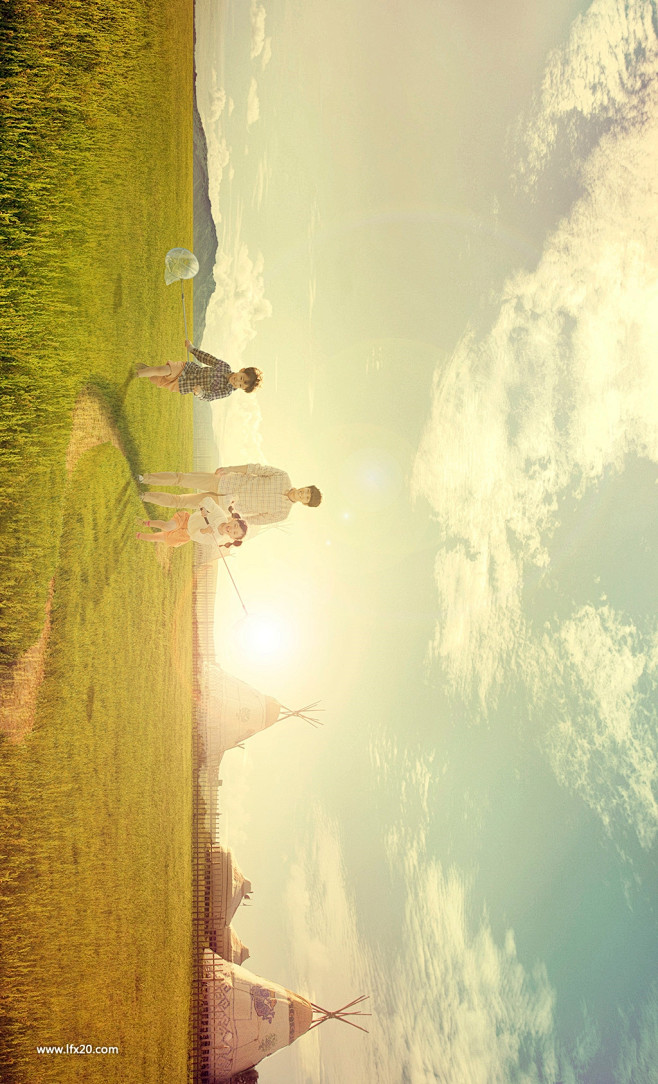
[[248, 1017]]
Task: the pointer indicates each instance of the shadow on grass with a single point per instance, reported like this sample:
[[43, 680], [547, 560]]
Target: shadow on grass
[[112, 398]]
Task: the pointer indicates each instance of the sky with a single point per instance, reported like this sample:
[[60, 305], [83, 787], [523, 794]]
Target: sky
[[438, 240]]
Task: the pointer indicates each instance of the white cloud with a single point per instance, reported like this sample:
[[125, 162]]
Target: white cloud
[[605, 746], [258, 16], [263, 178], [217, 102], [562, 389], [218, 159], [233, 312], [471, 1010], [451, 1005], [322, 916], [238, 302], [235, 826], [253, 104], [266, 55], [599, 76], [238, 431], [638, 1060]]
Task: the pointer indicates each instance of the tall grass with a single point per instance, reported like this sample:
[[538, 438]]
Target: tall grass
[[95, 804], [95, 162], [96, 924]]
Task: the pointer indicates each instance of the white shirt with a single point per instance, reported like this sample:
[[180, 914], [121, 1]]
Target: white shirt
[[215, 517]]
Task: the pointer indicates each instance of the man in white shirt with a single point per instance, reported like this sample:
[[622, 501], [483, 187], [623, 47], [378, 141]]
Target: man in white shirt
[[261, 494]]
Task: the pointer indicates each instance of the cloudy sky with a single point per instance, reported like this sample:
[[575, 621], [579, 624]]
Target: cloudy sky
[[438, 240]]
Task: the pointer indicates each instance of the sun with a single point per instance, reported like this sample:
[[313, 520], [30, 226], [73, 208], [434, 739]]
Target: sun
[[266, 636]]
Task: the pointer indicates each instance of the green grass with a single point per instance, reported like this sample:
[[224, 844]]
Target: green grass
[[97, 945], [95, 187], [95, 804]]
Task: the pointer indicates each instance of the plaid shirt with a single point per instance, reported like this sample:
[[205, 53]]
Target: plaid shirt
[[260, 494], [211, 375]]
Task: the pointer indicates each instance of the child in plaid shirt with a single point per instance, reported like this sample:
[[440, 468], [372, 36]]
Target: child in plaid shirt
[[207, 377]]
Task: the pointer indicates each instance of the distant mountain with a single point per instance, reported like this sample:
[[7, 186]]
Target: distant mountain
[[205, 235]]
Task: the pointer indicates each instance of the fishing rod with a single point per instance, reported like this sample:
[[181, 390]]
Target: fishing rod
[[220, 547]]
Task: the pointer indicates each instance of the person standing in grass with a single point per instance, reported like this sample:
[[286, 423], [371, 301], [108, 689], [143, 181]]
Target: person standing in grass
[[202, 526], [264, 494], [208, 377]]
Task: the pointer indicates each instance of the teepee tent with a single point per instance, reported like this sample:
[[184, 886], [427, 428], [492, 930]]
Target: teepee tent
[[250, 1017], [235, 711], [227, 886], [230, 712], [226, 943]]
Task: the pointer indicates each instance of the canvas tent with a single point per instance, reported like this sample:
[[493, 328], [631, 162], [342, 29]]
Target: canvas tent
[[230, 712], [227, 886], [249, 1018], [226, 943], [234, 711]]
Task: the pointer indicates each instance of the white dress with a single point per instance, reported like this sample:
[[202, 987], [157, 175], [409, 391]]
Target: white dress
[[215, 517]]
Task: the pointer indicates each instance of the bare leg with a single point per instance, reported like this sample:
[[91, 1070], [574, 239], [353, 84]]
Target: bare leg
[[161, 524], [161, 536], [154, 370]]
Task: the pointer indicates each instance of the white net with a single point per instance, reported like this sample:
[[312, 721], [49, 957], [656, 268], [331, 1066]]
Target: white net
[[180, 263]]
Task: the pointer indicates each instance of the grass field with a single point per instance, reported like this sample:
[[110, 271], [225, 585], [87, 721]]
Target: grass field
[[95, 803]]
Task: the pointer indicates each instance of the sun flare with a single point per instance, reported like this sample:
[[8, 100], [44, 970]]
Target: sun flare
[[265, 635]]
